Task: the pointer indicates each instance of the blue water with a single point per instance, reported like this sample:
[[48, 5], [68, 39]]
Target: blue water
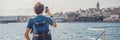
[[64, 31]]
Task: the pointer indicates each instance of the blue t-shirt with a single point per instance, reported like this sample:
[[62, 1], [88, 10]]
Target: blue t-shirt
[[39, 19]]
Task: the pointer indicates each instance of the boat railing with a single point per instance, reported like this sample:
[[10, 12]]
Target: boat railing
[[102, 35]]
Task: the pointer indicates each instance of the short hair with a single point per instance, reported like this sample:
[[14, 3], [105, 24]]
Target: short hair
[[38, 8]]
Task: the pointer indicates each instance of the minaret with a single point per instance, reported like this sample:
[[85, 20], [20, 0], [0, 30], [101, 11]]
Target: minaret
[[98, 5]]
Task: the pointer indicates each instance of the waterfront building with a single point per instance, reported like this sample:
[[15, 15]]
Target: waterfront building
[[112, 18], [71, 16], [93, 12], [60, 17], [83, 13], [23, 18]]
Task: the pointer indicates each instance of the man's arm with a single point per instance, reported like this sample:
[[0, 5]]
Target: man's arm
[[26, 34], [54, 22]]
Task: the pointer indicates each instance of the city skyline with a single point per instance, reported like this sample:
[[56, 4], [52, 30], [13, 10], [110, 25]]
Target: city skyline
[[56, 5]]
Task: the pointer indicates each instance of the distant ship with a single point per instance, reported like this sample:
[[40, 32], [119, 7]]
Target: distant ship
[[8, 19], [11, 19]]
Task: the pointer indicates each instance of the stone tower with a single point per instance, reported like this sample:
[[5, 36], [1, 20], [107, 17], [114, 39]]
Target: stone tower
[[98, 5]]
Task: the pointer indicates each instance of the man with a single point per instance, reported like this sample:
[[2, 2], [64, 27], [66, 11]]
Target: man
[[39, 25]]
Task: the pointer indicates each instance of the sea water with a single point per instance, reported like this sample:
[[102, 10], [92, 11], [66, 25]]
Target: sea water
[[64, 31]]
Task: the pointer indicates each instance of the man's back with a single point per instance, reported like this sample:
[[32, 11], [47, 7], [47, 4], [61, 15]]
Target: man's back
[[39, 19]]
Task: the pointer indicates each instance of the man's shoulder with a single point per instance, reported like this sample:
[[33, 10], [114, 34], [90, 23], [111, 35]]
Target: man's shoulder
[[32, 18]]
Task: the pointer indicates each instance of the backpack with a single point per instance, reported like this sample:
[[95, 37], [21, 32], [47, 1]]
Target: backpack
[[37, 24]]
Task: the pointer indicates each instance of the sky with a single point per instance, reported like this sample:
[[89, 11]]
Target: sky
[[55, 5]]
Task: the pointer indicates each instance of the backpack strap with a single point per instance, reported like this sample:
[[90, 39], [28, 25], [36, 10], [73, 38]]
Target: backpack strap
[[32, 26]]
